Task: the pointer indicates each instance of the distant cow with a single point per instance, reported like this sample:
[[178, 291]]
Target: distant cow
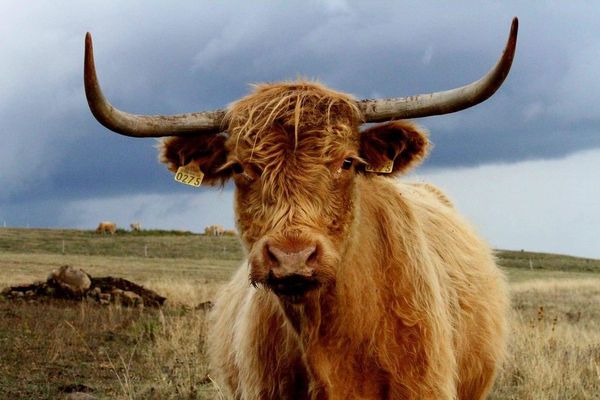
[[214, 230], [357, 285], [106, 227], [135, 227]]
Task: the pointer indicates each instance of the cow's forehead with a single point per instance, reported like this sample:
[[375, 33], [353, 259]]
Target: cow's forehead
[[299, 115]]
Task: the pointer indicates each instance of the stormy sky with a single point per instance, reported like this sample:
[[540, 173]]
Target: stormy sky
[[524, 166]]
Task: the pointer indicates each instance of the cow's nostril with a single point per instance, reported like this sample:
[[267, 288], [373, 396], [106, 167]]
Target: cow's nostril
[[313, 256], [270, 256]]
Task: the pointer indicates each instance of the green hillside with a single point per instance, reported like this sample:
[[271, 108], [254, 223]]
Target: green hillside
[[149, 243]]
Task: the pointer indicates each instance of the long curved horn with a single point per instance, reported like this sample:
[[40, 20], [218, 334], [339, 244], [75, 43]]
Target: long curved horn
[[449, 101], [142, 125]]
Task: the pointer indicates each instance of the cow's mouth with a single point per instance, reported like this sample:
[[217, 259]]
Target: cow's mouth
[[293, 287]]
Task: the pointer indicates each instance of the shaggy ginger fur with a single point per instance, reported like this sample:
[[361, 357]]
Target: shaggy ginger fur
[[410, 304]]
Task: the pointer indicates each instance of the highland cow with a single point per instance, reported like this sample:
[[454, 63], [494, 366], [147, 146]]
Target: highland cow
[[356, 285], [214, 230], [106, 227]]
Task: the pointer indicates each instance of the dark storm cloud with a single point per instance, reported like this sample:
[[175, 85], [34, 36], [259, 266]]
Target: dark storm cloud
[[156, 57]]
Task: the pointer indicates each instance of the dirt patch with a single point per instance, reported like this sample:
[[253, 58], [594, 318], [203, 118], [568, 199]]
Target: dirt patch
[[70, 284]]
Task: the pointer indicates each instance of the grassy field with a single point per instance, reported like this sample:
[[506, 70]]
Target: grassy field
[[147, 244], [47, 349]]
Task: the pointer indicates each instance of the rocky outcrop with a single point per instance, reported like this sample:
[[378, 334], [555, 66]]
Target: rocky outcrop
[[73, 281]]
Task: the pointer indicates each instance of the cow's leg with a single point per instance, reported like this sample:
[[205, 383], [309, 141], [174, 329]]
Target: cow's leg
[[478, 386], [424, 365]]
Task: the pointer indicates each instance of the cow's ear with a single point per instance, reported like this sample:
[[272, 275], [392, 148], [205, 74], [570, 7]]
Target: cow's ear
[[394, 147], [208, 151]]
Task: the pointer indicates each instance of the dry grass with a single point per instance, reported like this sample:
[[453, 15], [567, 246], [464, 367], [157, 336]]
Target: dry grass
[[176, 361], [117, 353], [122, 353], [555, 347]]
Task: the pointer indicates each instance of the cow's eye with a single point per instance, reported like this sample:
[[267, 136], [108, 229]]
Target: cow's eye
[[245, 173], [347, 163], [237, 168]]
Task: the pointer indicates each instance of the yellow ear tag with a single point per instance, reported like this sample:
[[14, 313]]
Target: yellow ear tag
[[386, 168], [189, 174]]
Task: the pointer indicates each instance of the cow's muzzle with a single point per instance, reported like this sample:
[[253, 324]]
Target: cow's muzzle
[[291, 267]]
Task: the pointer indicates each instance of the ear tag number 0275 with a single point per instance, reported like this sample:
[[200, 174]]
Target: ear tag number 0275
[[189, 174], [386, 168]]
